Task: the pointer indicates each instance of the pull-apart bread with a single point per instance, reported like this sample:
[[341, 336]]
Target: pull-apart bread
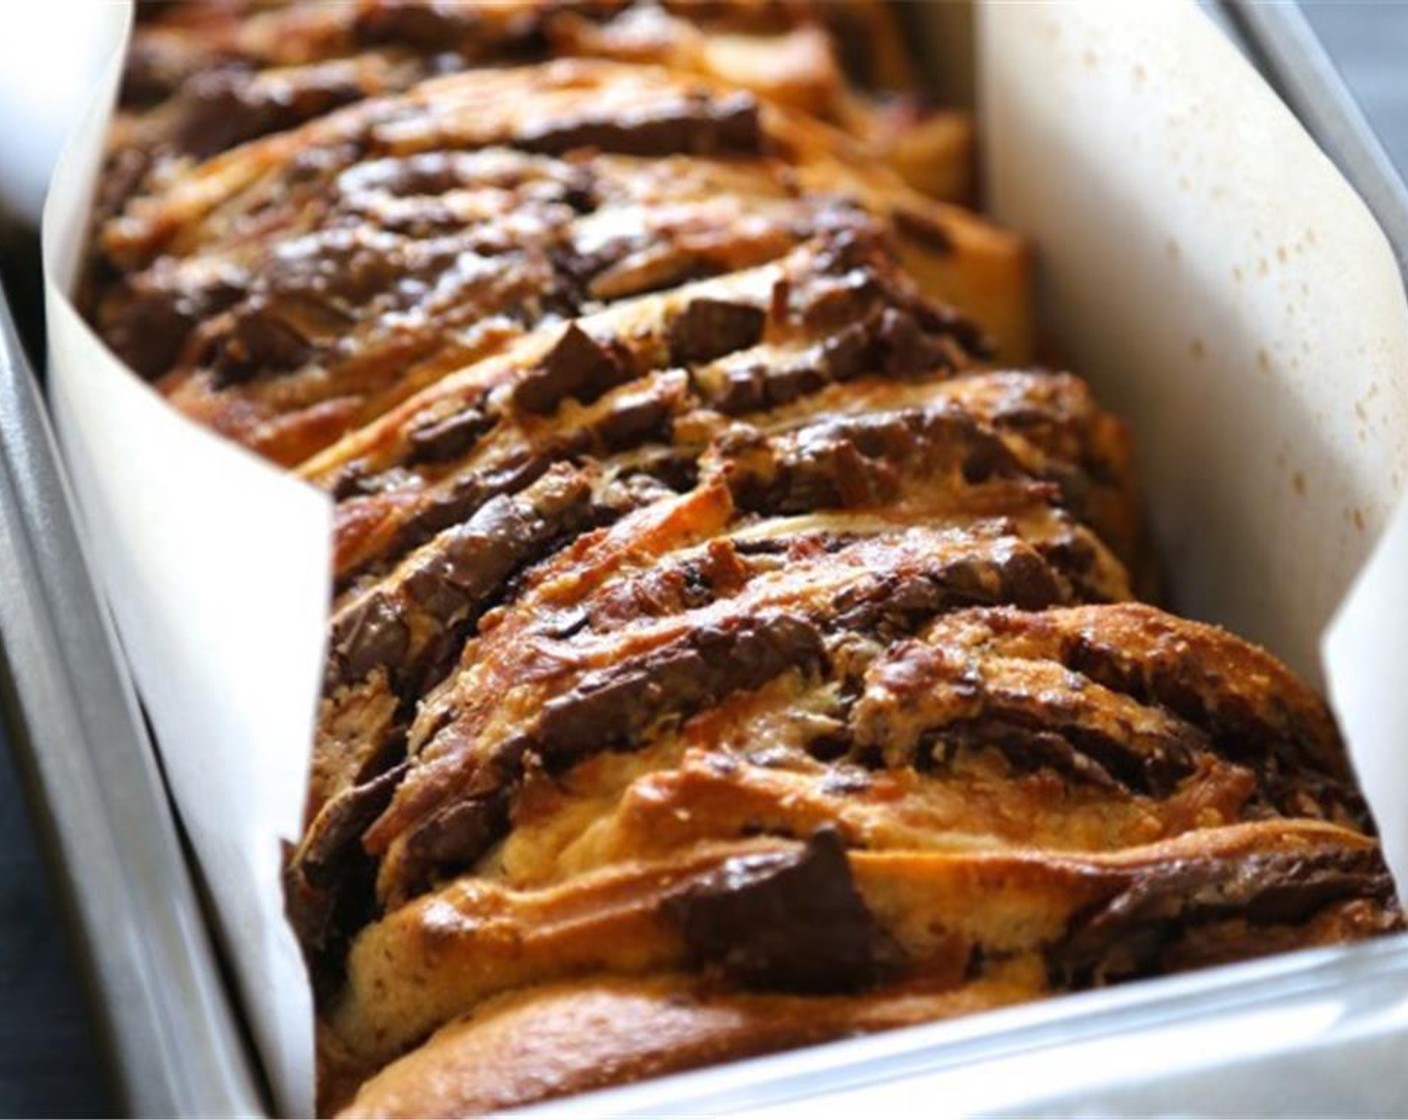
[[732, 646]]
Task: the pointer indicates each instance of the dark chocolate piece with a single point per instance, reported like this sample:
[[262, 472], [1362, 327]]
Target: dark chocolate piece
[[221, 108], [427, 25], [857, 461], [447, 438], [616, 705], [453, 581], [710, 328], [340, 824], [897, 603], [696, 126], [370, 635], [259, 341], [460, 833], [1165, 906], [577, 366], [469, 562], [787, 921]]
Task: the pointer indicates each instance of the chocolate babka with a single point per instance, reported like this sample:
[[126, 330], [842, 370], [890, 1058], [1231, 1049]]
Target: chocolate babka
[[733, 646]]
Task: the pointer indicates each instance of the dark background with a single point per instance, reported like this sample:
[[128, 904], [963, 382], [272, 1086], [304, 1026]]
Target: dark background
[[49, 1064]]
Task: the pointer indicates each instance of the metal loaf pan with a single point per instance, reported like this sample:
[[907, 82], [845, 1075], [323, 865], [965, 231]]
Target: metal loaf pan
[[1308, 1033]]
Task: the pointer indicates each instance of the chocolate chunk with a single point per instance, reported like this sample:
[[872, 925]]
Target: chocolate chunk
[[852, 350], [1290, 769], [849, 353], [461, 833], [896, 603], [1025, 747], [1130, 934], [424, 24], [1028, 579], [1304, 793], [907, 349], [780, 300], [470, 562], [1026, 728], [696, 126], [613, 707], [453, 33], [340, 823], [988, 458], [321, 876], [153, 70], [218, 109], [853, 245], [890, 341], [789, 921], [350, 481], [907, 332], [577, 366], [464, 830], [847, 299], [147, 327], [457, 578], [856, 461], [259, 342], [445, 438], [831, 474], [660, 479], [148, 317], [466, 495], [636, 419], [830, 746], [424, 173], [739, 390], [370, 635], [710, 328]]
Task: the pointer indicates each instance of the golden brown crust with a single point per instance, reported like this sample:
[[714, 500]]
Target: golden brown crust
[[204, 77], [725, 654], [941, 912], [337, 268], [570, 1038], [1015, 913]]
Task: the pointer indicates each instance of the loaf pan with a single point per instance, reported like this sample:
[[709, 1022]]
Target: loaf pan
[[1306, 1033]]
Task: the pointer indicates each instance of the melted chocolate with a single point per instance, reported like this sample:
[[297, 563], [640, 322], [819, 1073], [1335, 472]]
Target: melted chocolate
[[788, 921], [711, 328]]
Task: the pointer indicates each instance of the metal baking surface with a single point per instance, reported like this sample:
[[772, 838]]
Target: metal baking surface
[[164, 1012], [1309, 1033]]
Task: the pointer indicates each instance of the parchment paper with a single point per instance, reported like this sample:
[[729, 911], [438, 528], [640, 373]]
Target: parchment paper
[[1208, 268], [216, 567], [1203, 263]]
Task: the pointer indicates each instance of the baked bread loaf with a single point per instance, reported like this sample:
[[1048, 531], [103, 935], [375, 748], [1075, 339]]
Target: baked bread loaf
[[732, 646]]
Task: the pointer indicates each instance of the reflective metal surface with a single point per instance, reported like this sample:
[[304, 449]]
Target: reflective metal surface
[[165, 1014]]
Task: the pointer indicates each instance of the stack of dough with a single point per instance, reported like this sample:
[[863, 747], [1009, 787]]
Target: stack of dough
[[733, 646]]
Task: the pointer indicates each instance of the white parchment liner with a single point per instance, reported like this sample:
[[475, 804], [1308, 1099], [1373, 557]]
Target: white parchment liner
[[1202, 263], [217, 567]]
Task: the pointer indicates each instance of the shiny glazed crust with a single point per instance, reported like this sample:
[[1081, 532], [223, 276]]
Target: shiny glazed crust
[[733, 646]]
